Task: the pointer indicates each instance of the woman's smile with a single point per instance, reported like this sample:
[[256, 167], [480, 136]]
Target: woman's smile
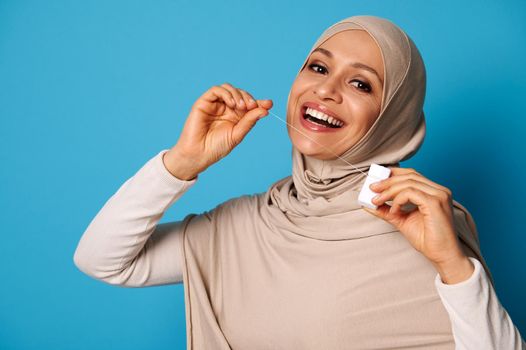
[[318, 118]]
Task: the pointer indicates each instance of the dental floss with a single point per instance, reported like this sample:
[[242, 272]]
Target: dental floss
[[376, 172], [366, 194]]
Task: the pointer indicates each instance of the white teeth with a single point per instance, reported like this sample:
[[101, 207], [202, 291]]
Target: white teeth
[[323, 116], [320, 115]]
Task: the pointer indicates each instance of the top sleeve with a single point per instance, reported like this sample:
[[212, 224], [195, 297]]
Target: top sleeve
[[124, 245], [478, 320]]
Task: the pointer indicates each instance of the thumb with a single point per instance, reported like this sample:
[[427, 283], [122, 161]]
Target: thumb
[[370, 211], [246, 123], [265, 103], [381, 212]]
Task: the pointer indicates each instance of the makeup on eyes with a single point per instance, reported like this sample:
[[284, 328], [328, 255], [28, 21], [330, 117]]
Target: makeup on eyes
[[357, 65], [368, 88]]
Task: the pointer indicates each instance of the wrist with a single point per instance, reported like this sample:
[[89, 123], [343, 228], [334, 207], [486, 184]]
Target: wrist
[[455, 270], [179, 166]]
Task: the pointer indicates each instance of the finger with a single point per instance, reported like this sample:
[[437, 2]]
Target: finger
[[240, 102], [216, 93], [411, 195], [395, 189], [249, 100], [401, 174], [267, 104], [381, 211], [246, 123], [402, 171]]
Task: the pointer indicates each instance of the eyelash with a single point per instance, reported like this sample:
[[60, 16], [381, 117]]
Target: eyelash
[[367, 86]]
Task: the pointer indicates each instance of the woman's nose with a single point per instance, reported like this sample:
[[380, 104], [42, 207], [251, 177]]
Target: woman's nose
[[328, 89]]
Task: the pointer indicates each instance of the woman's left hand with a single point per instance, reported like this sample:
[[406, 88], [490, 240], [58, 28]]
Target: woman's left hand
[[429, 227]]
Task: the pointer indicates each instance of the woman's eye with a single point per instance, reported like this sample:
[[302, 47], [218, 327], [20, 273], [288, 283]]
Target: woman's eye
[[362, 86], [321, 69], [317, 68]]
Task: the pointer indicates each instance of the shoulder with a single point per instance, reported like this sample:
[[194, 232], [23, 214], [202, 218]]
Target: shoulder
[[246, 203], [225, 221], [240, 205]]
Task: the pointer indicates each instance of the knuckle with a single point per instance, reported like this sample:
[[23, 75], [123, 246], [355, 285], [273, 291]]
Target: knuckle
[[435, 204], [413, 176], [413, 192], [413, 172], [219, 88], [438, 197], [403, 193], [399, 199], [412, 181]]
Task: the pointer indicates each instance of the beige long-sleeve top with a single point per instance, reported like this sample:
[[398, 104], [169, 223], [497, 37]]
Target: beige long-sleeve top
[[125, 245]]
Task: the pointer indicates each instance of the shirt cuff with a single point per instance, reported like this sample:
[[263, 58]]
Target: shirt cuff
[[167, 177], [471, 284]]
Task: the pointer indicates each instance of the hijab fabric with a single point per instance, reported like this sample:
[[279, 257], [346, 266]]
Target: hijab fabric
[[303, 266]]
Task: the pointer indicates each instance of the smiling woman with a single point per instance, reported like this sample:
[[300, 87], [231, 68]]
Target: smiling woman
[[336, 97], [303, 265]]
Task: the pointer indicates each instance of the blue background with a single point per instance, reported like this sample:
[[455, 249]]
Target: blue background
[[89, 91]]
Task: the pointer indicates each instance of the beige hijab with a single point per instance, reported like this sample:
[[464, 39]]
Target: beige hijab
[[303, 266]]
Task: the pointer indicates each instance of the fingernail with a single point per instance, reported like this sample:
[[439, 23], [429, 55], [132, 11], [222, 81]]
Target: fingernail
[[376, 198], [241, 102]]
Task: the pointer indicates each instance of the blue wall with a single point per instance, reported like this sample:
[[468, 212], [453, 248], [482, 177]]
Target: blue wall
[[89, 91]]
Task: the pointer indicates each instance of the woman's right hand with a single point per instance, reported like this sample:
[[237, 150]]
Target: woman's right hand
[[218, 122]]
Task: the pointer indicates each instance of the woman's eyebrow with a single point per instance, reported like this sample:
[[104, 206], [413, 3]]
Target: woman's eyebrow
[[354, 64]]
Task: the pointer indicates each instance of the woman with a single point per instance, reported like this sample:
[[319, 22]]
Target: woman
[[303, 266]]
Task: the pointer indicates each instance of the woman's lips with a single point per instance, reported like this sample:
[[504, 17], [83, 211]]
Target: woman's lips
[[312, 126]]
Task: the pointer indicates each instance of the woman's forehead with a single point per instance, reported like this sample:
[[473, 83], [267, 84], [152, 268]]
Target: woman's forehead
[[354, 46]]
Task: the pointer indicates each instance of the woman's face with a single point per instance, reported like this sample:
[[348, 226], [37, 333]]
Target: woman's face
[[337, 81]]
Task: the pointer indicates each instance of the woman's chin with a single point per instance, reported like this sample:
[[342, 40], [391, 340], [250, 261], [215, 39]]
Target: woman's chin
[[316, 148], [313, 150]]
